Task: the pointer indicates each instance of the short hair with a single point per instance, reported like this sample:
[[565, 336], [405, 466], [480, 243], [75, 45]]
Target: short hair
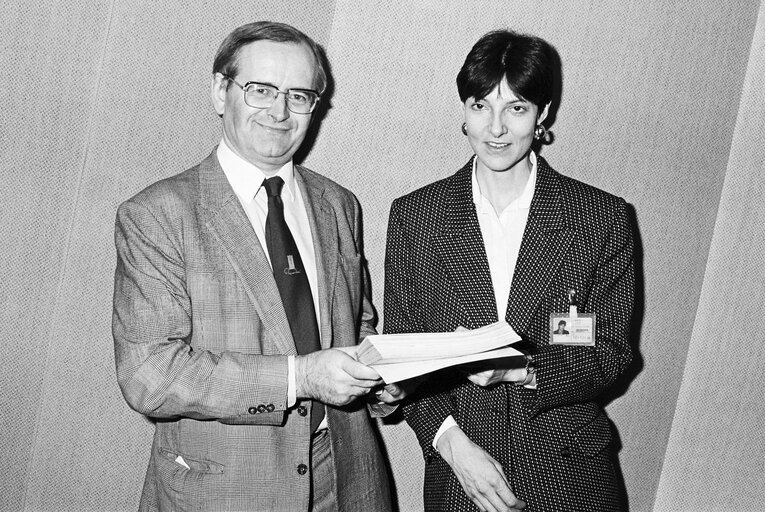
[[526, 62], [226, 57], [562, 322]]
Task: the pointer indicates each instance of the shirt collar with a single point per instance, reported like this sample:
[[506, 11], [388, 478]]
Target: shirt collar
[[523, 202], [246, 179]]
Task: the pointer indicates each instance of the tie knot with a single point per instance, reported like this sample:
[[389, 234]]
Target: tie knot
[[273, 186]]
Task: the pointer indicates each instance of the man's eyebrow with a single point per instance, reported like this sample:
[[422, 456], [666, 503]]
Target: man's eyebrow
[[261, 82]]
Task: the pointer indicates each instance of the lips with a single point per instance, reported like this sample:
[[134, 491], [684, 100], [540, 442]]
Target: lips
[[274, 128], [497, 145]]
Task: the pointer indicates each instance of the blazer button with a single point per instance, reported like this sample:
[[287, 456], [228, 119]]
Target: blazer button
[[302, 410], [252, 410], [270, 407], [565, 452], [261, 408], [302, 469]]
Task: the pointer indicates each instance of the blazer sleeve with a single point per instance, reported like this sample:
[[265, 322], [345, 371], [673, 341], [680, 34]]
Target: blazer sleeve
[[570, 374], [368, 319], [160, 374], [430, 405]]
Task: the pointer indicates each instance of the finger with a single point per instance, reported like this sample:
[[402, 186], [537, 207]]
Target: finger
[[484, 504], [386, 397], [360, 371], [394, 390]]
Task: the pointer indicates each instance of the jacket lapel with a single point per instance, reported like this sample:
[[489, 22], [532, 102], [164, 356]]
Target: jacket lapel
[[545, 242], [224, 216], [460, 247], [321, 217]]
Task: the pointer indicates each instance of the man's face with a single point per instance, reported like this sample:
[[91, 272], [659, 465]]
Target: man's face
[[265, 137]]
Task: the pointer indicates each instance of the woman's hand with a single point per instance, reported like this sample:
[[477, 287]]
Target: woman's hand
[[479, 474], [396, 391]]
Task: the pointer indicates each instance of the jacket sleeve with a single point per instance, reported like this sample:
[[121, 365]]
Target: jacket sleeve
[[160, 374], [430, 405], [572, 374]]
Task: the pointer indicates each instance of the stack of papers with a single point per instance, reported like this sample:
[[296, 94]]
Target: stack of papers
[[399, 357]]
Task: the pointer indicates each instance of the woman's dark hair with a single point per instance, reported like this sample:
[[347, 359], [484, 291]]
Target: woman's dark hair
[[226, 57], [526, 62]]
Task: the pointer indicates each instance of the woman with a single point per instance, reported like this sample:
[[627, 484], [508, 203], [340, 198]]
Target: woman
[[508, 237]]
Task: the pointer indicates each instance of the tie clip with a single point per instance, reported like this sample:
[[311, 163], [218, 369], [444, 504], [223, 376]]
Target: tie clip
[[291, 270]]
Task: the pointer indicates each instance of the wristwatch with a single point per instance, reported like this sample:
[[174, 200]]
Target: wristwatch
[[531, 371]]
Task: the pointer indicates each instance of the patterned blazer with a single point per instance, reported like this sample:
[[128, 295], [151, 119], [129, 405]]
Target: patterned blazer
[[554, 442], [202, 339]]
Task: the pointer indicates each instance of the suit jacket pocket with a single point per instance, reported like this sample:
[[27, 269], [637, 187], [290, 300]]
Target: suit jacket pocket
[[202, 466], [182, 488], [594, 437]]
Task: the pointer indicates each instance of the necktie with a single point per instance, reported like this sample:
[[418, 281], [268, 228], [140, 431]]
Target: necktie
[[292, 281]]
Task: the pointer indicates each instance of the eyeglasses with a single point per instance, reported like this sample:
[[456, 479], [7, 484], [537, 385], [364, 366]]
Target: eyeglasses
[[257, 95]]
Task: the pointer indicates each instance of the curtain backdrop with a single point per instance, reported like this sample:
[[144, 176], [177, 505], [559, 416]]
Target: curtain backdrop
[[662, 104]]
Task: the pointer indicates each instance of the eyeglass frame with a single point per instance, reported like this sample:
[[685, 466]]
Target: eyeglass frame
[[278, 92]]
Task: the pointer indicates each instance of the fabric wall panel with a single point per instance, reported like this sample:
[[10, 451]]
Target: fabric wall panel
[[50, 72], [716, 453], [635, 119]]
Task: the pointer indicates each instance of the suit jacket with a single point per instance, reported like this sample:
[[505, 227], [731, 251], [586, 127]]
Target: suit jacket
[[202, 339], [553, 442]]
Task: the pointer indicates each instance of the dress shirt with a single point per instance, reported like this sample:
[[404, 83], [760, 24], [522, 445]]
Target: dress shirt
[[502, 236], [247, 180]]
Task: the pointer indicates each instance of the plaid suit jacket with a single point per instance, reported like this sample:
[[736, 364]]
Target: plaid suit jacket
[[554, 442], [201, 344]]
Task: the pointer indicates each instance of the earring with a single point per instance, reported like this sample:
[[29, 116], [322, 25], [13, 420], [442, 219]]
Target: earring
[[464, 128], [540, 132]]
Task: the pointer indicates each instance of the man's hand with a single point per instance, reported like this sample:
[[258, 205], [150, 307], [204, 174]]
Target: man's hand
[[333, 377], [481, 477]]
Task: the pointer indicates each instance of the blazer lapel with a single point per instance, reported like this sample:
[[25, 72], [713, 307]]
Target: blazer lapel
[[224, 216], [461, 249], [321, 217], [545, 242]]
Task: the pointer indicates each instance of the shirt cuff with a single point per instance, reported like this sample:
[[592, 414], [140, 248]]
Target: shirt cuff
[[291, 382], [448, 423]]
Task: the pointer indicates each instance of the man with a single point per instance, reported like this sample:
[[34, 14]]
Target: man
[[228, 277]]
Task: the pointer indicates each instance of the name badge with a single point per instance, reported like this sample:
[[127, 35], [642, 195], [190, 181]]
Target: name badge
[[572, 328]]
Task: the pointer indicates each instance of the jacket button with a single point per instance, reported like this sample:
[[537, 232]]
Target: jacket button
[[270, 407], [252, 410], [302, 469], [565, 452], [302, 410], [261, 408]]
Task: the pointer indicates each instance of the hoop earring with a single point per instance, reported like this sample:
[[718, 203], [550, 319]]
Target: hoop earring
[[464, 128], [540, 132]]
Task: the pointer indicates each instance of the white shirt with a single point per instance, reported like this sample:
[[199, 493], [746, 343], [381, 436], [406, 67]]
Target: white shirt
[[247, 180], [502, 235]]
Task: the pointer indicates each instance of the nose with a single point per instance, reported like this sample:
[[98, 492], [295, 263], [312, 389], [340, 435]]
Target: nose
[[278, 109], [498, 127]]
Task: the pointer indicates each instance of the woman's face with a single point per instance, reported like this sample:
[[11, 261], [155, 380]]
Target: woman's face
[[500, 127]]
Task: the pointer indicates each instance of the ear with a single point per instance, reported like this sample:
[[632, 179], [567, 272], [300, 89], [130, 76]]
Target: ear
[[541, 116], [218, 91]]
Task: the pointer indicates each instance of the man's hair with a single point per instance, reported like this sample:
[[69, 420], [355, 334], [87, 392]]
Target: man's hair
[[562, 322], [226, 57], [526, 62]]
